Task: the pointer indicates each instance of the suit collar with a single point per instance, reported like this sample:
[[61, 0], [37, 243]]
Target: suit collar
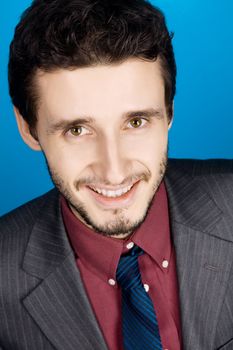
[[48, 244], [189, 202]]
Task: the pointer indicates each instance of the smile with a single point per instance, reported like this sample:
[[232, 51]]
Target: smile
[[112, 194], [113, 199]]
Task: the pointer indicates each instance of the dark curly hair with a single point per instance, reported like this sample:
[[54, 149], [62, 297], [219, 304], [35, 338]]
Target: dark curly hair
[[55, 34]]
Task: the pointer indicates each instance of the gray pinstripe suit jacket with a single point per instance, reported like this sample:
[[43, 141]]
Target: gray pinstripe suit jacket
[[43, 304]]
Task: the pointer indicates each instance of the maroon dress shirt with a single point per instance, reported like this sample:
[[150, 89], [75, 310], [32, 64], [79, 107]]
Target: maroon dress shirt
[[97, 258]]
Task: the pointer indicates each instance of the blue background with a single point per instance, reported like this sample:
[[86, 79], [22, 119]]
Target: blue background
[[203, 123]]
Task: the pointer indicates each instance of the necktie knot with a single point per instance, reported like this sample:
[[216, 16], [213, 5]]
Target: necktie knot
[[128, 274]]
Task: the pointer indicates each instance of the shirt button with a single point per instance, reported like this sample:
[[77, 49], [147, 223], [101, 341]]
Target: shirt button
[[165, 264], [146, 287], [112, 282], [130, 245]]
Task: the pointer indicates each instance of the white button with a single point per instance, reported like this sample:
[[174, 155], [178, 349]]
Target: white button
[[112, 282], [165, 263], [146, 287], [130, 245]]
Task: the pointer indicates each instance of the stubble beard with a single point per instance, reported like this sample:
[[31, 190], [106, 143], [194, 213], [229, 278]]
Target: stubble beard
[[120, 225]]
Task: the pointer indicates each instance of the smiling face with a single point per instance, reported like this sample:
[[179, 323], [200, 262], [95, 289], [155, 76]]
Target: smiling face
[[104, 131]]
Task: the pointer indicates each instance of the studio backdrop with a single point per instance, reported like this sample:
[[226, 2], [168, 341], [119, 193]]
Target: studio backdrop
[[203, 118]]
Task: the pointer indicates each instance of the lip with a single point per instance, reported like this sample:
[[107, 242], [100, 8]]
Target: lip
[[124, 200]]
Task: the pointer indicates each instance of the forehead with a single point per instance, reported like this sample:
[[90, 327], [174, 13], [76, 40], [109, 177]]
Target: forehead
[[100, 90]]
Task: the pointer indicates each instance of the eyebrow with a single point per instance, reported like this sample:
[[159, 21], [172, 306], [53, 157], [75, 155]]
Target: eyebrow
[[67, 124]]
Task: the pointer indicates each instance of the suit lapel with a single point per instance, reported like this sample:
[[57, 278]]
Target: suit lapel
[[203, 254], [58, 304]]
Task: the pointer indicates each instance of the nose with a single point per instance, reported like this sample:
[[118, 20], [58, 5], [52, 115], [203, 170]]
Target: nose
[[112, 160]]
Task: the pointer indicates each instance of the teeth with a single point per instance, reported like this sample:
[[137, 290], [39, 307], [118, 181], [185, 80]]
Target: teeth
[[112, 194]]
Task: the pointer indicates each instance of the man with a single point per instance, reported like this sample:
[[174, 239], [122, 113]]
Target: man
[[129, 251]]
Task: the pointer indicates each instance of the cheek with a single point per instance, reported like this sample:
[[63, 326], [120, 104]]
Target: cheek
[[151, 149], [66, 161]]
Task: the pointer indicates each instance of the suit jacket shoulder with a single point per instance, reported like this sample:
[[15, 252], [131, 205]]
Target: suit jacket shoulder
[[197, 167], [21, 218], [16, 226], [212, 176]]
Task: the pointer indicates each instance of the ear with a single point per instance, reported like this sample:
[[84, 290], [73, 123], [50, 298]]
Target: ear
[[172, 117], [25, 132]]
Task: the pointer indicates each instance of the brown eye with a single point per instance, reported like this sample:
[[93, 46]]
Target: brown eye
[[76, 131], [136, 122]]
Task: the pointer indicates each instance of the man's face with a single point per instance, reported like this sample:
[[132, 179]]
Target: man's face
[[104, 129]]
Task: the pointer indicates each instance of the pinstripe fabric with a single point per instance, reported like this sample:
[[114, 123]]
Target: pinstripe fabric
[[43, 304], [140, 325], [17, 331], [201, 210]]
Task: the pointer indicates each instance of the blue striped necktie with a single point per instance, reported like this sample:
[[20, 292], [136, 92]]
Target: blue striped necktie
[[140, 325]]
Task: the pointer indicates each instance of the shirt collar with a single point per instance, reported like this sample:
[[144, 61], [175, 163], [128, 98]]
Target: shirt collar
[[101, 254]]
